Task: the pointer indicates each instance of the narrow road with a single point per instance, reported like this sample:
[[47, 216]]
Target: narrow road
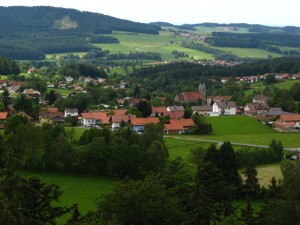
[[233, 143]]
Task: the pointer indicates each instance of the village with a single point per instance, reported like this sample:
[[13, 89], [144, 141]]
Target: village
[[175, 120]]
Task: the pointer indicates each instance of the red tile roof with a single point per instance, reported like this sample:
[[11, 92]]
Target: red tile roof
[[175, 114], [188, 97], [159, 110], [119, 118], [179, 124], [119, 112], [144, 121], [52, 110], [3, 115], [100, 116], [290, 118]]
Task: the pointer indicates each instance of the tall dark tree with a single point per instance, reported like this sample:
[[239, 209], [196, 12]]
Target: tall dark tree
[[209, 202], [228, 165], [247, 214], [277, 150], [145, 108], [251, 186], [27, 201]]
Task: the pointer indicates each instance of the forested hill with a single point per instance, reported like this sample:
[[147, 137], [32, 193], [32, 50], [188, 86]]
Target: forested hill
[[32, 32], [41, 19]]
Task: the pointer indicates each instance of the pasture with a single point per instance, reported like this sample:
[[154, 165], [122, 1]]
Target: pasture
[[259, 86], [249, 52], [80, 189], [151, 43]]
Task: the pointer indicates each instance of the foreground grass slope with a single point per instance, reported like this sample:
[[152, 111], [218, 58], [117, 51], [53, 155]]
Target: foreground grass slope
[[77, 189]]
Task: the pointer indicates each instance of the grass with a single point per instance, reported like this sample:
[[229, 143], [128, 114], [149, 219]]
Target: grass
[[237, 125], [152, 43], [78, 131], [259, 86], [249, 52], [80, 189]]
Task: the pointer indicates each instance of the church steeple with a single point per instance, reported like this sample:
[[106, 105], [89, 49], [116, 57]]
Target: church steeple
[[202, 89]]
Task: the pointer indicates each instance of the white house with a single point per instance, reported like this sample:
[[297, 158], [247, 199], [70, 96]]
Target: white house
[[227, 108], [69, 79], [138, 124], [92, 118], [71, 112]]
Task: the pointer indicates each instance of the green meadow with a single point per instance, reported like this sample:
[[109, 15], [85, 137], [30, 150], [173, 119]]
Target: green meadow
[[286, 84], [77, 189], [249, 52], [163, 44]]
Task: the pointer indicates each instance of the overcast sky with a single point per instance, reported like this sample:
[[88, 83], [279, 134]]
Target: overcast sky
[[267, 12]]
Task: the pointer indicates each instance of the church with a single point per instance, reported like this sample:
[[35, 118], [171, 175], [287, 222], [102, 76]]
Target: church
[[185, 97]]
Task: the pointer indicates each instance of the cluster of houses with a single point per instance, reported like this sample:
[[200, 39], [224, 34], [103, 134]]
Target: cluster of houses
[[257, 78], [223, 106]]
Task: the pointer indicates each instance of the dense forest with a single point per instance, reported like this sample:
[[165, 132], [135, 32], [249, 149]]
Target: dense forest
[[30, 32]]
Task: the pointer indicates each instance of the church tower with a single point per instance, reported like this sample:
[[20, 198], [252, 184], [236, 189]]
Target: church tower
[[202, 89]]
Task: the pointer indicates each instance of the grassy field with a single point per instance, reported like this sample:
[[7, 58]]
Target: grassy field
[[151, 43], [80, 189], [244, 129], [286, 84], [237, 125], [249, 52]]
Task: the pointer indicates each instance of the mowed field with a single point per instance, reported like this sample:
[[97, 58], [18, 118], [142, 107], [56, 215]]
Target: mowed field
[[151, 43], [245, 129], [77, 189], [259, 86]]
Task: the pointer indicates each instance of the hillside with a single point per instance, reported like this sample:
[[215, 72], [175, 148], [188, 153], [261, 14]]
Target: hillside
[[30, 32]]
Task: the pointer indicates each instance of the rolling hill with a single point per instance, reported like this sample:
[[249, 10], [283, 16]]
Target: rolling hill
[[31, 32]]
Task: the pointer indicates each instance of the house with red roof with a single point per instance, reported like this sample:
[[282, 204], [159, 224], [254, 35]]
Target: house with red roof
[[189, 97], [138, 124], [178, 126], [3, 116], [288, 121], [92, 118], [160, 111], [117, 119]]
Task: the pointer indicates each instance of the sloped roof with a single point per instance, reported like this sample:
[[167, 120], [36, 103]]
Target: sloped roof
[[144, 121], [160, 110], [71, 110], [119, 118], [225, 104], [179, 124], [175, 108], [290, 118], [202, 108], [220, 98], [52, 109], [3, 115], [119, 112], [189, 96], [100, 116], [175, 114]]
